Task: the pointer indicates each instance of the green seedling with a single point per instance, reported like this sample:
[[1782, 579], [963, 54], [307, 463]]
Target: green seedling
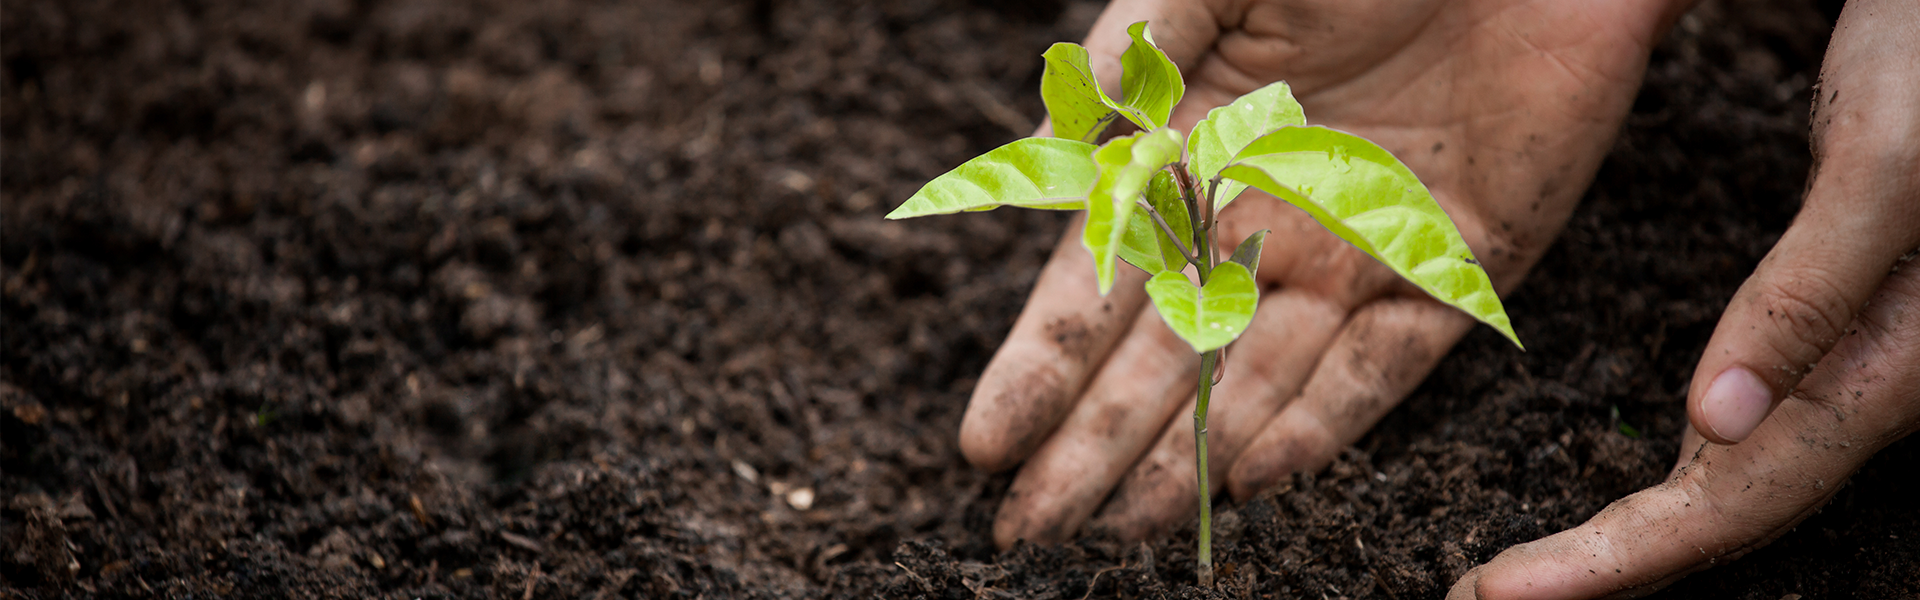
[[1152, 199], [1613, 413]]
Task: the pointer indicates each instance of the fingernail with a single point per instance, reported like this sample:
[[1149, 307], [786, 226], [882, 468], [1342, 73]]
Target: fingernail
[[1736, 402]]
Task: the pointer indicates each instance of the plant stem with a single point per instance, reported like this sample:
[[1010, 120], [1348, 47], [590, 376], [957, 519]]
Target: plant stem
[[1204, 249], [1168, 229], [1197, 215], [1204, 568]]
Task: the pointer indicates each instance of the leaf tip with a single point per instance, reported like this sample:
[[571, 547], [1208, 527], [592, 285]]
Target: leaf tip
[[1513, 337]]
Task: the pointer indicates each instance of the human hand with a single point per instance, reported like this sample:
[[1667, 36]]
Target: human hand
[[1504, 108], [1834, 301]]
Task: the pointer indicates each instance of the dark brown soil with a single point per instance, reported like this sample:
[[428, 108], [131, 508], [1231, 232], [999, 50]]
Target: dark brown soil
[[580, 298]]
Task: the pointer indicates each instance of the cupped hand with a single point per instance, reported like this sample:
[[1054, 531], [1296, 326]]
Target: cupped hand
[[1504, 108], [1814, 367]]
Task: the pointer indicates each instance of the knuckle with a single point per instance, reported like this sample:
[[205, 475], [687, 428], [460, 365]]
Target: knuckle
[[1807, 312]]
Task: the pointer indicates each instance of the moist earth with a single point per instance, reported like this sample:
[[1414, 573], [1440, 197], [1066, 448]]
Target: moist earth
[[433, 299]]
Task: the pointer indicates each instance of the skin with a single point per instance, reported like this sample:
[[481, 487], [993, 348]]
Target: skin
[[1505, 109], [1840, 291]]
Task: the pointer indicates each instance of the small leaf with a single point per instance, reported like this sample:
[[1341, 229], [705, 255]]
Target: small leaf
[[1629, 430], [1227, 129], [1248, 254], [1206, 317], [1363, 194], [1149, 81], [1625, 429], [1047, 173], [1126, 165], [1163, 194], [1077, 106], [1144, 244], [1140, 245]]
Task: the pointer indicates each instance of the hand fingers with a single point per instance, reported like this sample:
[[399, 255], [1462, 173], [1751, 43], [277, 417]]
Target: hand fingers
[[1067, 328], [1862, 212], [1123, 409], [1731, 499], [1130, 399], [1797, 304], [1382, 353], [1265, 369], [1064, 333], [1690, 444], [1183, 30]]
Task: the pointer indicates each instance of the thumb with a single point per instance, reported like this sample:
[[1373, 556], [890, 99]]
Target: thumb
[[1729, 500], [1796, 306], [1862, 213]]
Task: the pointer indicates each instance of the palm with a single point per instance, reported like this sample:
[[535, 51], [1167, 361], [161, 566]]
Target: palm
[[1503, 108]]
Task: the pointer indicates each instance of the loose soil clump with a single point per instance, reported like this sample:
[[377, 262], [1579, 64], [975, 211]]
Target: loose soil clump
[[585, 299]]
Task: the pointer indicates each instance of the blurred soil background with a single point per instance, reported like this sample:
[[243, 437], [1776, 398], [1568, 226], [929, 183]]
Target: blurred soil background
[[593, 299]]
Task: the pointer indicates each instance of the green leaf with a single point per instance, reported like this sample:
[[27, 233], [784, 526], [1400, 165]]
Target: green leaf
[[1126, 165], [1163, 194], [1363, 194], [1144, 244], [1149, 82], [1248, 254], [1140, 245], [1228, 129], [1206, 317], [1077, 106], [1047, 173]]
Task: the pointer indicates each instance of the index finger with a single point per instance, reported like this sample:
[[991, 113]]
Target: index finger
[[1729, 500], [1067, 330], [1064, 334]]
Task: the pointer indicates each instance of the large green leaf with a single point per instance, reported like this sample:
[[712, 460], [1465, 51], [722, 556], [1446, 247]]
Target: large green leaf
[[1206, 317], [1228, 129], [1361, 193], [1149, 82], [1077, 106], [1030, 173], [1126, 165], [1144, 244]]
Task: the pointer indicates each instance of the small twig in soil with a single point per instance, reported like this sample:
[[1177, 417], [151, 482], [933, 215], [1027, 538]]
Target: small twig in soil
[[532, 579], [524, 542], [924, 585], [1095, 580], [419, 510], [1382, 582], [100, 488]]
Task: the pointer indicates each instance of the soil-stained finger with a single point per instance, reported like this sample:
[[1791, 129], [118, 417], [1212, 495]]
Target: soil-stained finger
[[1063, 335], [1123, 410], [1265, 369], [1381, 354], [1730, 500]]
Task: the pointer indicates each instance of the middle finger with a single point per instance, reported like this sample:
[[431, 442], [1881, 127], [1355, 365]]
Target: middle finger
[[1265, 369]]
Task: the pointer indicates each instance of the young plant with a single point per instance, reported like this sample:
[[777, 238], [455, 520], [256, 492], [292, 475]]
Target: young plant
[[1152, 199]]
